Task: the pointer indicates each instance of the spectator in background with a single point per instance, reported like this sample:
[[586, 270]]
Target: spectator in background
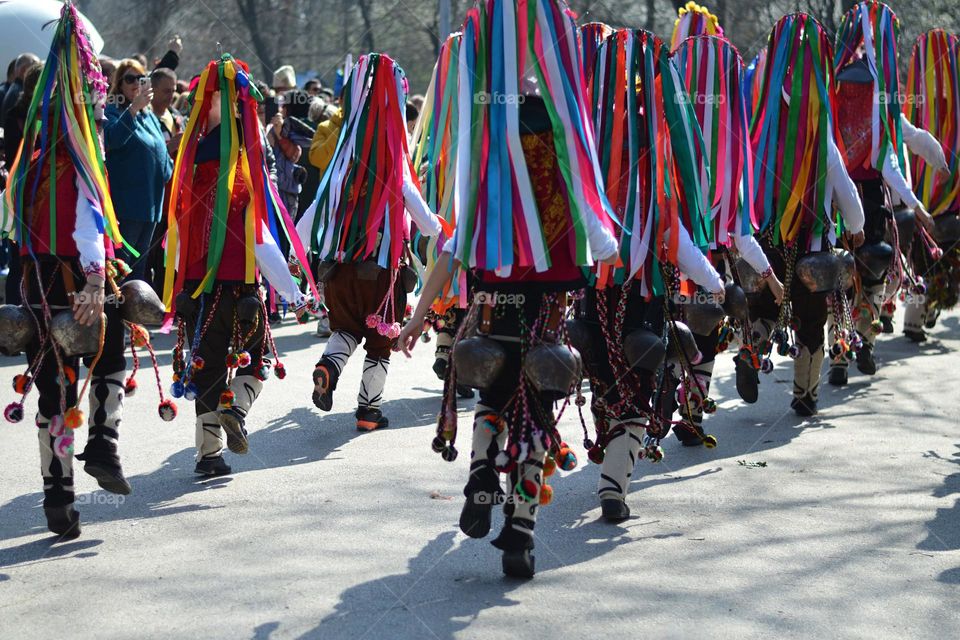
[[139, 58], [289, 134], [108, 65], [326, 93], [417, 101], [171, 59], [284, 79], [11, 76], [164, 82], [264, 105], [317, 113], [137, 161], [413, 112], [23, 63], [312, 87], [13, 127]]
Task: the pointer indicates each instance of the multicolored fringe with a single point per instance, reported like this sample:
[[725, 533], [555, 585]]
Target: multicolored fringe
[[933, 81], [592, 36], [510, 49], [753, 81], [791, 132], [712, 71], [62, 113], [649, 144], [873, 26], [360, 205], [241, 151], [694, 20], [434, 156]]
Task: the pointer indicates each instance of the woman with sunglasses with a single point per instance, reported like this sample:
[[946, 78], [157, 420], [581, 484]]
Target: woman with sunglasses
[[137, 161]]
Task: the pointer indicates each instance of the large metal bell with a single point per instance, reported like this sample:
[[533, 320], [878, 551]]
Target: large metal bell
[[644, 350], [750, 280], [946, 230], [848, 268], [74, 338], [586, 341], [248, 311], [735, 302], [16, 329], [874, 259], [819, 272], [186, 306], [703, 317], [683, 342], [553, 368], [478, 361], [140, 304], [906, 224]]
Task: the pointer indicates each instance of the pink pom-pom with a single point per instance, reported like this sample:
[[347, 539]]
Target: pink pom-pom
[[394, 331], [383, 329], [57, 427], [244, 360], [63, 446], [372, 321]]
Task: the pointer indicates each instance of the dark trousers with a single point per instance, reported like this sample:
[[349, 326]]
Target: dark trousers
[[139, 235], [809, 309]]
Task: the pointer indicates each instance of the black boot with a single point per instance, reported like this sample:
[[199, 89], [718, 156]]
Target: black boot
[[465, 392], [838, 375], [614, 509], [865, 362], [440, 368], [482, 492], [100, 456], [213, 466], [804, 406], [324, 382], [887, 323], [748, 380], [915, 336], [370, 419], [518, 559], [102, 462], [63, 521]]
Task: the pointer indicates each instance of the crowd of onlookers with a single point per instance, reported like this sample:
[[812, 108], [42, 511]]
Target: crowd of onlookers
[[144, 119]]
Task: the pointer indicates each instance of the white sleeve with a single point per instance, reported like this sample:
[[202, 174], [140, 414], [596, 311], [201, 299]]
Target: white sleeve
[[693, 264], [305, 225], [603, 244], [894, 178], [425, 220], [751, 251], [841, 188], [922, 143], [87, 236], [274, 267]]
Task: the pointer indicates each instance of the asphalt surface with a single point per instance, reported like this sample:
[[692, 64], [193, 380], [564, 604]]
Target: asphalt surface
[[845, 525]]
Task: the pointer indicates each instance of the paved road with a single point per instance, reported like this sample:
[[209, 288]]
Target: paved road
[[851, 529]]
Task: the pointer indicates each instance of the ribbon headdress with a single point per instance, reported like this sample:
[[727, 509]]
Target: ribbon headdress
[[61, 116], [871, 29], [499, 227], [242, 157], [933, 82], [712, 72], [791, 131], [651, 147], [694, 20], [435, 151], [592, 36], [359, 205]]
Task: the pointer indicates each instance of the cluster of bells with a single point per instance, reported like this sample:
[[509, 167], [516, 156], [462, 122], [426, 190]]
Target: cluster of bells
[[434, 321]]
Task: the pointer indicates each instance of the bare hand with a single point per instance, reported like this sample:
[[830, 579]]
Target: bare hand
[[277, 123], [144, 98], [88, 304], [175, 44], [854, 239], [776, 287], [924, 218], [409, 336]]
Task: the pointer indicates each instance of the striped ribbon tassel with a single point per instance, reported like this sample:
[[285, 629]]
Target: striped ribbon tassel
[[360, 207], [791, 131], [712, 70], [499, 225], [650, 143], [873, 26], [933, 85], [694, 20], [61, 115]]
